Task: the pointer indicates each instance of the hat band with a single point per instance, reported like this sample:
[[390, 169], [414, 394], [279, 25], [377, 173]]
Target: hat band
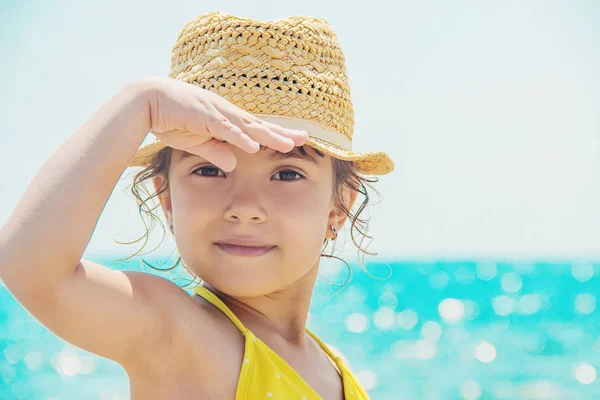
[[313, 129]]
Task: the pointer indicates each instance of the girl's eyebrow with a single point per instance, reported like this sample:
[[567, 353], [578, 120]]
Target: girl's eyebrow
[[185, 155], [276, 155]]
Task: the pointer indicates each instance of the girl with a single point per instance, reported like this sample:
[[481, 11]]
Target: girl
[[253, 169]]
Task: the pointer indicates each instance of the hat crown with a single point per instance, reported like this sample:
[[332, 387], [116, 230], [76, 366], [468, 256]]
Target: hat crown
[[292, 67]]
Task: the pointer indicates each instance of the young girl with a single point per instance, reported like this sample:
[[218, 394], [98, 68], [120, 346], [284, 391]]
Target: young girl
[[254, 172]]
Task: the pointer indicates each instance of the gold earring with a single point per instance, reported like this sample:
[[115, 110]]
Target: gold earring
[[334, 232]]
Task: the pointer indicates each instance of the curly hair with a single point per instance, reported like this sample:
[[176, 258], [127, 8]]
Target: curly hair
[[344, 175]]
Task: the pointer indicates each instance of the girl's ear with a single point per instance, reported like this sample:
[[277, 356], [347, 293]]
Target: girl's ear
[[164, 198], [337, 216]]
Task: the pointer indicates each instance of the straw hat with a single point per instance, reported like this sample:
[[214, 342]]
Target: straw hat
[[288, 71]]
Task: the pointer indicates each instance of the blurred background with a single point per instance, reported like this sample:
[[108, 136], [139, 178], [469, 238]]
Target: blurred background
[[490, 224]]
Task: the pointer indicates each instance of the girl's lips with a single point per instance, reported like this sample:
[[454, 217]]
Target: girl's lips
[[245, 251]]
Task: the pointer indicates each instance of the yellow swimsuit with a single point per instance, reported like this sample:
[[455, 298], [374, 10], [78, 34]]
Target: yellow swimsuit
[[265, 375]]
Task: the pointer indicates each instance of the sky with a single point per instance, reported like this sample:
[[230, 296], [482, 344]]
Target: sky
[[490, 111]]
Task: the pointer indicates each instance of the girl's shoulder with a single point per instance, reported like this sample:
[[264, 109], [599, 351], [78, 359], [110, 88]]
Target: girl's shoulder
[[203, 344], [198, 329]]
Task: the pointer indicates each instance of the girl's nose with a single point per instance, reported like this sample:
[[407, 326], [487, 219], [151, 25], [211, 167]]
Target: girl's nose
[[245, 206]]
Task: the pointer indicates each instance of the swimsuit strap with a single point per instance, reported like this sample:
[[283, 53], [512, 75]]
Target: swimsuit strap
[[337, 360], [217, 302]]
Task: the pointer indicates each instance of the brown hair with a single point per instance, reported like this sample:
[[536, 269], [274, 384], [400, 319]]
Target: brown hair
[[344, 174]]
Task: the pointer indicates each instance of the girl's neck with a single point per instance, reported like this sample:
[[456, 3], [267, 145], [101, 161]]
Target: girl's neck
[[283, 313]]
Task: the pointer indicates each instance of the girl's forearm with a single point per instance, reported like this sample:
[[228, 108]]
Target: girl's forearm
[[46, 235]]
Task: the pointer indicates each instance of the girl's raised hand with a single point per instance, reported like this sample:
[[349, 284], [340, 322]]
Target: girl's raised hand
[[195, 120]]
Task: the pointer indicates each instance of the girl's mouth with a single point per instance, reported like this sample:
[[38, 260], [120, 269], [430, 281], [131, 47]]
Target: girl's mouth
[[244, 251]]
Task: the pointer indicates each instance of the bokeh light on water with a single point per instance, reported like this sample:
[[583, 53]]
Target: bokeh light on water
[[433, 330]]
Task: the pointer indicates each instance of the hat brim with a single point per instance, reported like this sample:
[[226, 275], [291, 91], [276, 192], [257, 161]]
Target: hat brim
[[366, 163]]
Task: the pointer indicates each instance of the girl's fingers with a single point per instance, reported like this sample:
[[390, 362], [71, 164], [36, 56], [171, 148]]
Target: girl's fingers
[[267, 134], [181, 140], [211, 149], [221, 122], [259, 131], [299, 137], [218, 126], [216, 152]]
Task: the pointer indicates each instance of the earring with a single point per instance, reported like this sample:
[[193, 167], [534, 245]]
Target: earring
[[334, 232], [171, 226]]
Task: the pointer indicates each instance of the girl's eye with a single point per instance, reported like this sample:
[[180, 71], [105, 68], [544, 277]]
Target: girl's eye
[[288, 173], [208, 171]]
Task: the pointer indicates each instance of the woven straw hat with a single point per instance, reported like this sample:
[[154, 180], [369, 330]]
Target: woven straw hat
[[288, 71]]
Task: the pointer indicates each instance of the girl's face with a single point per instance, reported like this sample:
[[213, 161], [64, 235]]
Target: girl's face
[[277, 199]]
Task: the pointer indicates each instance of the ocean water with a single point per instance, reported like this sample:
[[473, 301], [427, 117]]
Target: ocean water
[[432, 330]]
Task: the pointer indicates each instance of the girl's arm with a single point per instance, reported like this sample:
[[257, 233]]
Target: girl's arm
[[111, 313]]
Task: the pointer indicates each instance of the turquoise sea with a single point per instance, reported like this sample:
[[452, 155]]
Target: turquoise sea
[[433, 330]]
